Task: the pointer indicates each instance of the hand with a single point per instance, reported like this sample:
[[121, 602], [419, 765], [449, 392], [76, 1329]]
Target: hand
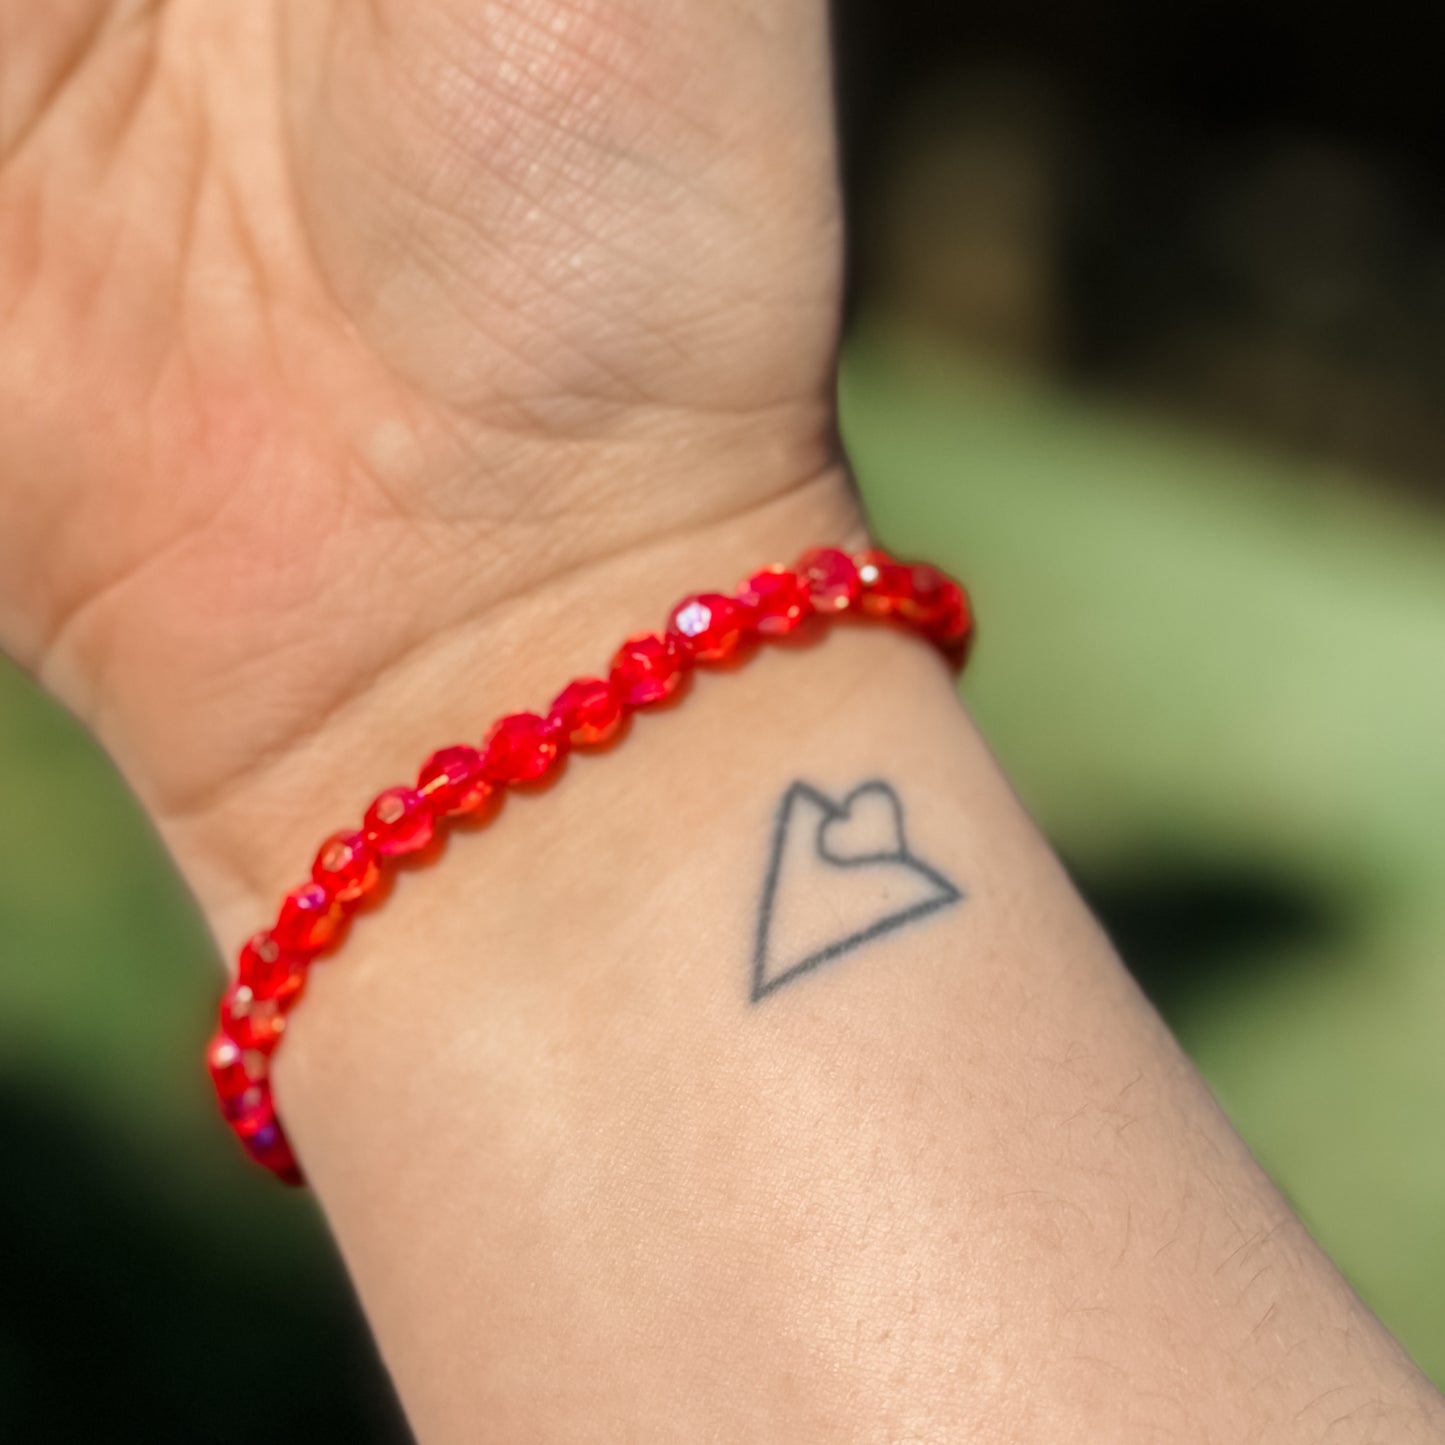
[[333, 336]]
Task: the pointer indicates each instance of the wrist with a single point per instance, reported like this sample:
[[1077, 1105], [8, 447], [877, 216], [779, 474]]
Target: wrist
[[546, 1120], [256, 835]]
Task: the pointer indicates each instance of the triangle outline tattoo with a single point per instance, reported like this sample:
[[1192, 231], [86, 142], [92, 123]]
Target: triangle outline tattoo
[[945, 892]]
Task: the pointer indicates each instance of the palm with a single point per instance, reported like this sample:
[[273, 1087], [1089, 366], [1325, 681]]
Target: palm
[[324, 327]]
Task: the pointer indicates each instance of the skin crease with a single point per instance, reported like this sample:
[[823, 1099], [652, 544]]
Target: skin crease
[[368, 369], [330, 334]]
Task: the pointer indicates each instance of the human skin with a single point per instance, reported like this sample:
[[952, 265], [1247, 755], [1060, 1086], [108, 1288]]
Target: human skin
[[369, 370]]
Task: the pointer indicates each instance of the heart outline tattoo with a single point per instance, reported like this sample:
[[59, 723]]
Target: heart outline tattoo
[[844, 813], [886, 848]]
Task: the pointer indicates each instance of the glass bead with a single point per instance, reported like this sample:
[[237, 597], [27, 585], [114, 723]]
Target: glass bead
[[777, 599], [831, 578], [587, 711], [399, 821], [887, 584], [308, 919], [270, 971], [452, 781], [522, 748], [347, 866], [648, 668], [249, 1022], [709, 626]]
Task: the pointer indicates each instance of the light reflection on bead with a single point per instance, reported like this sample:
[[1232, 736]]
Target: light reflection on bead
[[709, 626], [885, 583]]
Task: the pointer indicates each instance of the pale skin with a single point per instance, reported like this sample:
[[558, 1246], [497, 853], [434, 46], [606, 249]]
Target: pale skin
[[369, 369]]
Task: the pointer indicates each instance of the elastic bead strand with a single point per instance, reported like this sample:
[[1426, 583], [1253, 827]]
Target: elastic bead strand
[[525, 748]]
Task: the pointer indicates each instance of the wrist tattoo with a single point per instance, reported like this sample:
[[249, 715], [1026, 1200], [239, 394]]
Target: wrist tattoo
[[839, 875]]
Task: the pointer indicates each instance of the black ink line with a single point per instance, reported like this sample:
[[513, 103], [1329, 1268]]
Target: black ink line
[[947, 891], [839, 811]]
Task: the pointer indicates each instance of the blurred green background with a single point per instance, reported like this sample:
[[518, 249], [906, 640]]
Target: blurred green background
[[1146, 342]]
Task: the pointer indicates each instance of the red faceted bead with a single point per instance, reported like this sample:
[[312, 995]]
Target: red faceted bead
[[249, 1115], [648, 668], [452, 782], [926, 599], [709, 626], [953, 626], [308, 919], [587, 711], [269, 1147], [233, 1070], [522, 747], [250, 1022], [241, 1084], [270, 971], [778, 600], [887, 585], [347, 867], [831, 578], [399, 821]]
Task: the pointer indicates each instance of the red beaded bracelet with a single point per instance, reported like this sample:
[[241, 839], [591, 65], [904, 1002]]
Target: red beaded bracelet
[[524, 748]]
